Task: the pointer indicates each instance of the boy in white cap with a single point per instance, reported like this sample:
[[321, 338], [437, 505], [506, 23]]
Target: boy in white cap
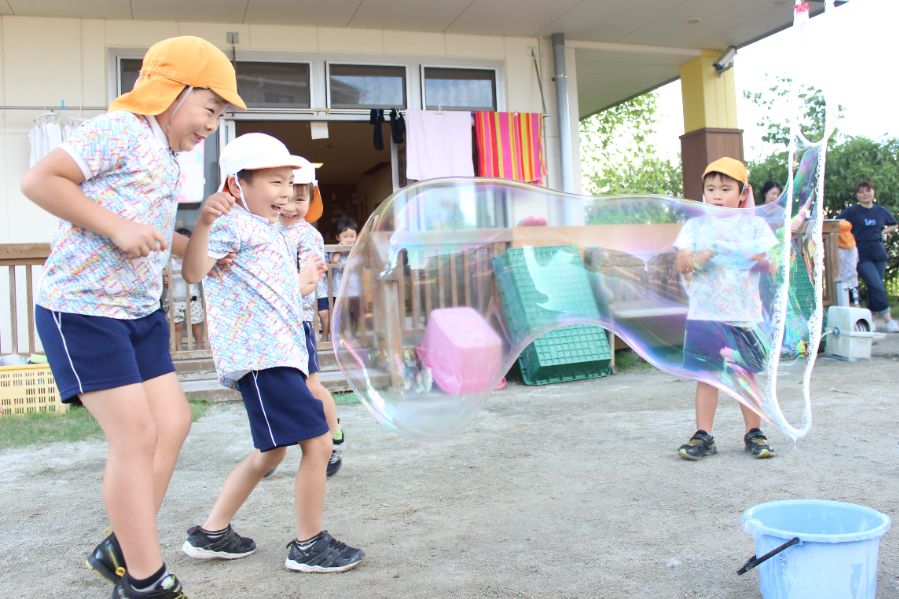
[[253, 310], [114, 185], [304, 209]]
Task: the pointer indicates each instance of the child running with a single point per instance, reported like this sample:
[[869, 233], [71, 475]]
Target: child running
[[296, 213], [114, 185], [253, 310]]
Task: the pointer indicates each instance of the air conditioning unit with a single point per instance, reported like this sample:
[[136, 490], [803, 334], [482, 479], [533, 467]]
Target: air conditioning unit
[[850, 332]]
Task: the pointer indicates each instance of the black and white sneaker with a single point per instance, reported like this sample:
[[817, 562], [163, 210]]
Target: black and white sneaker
[[326, 554], [756, 445], [107, 559], [229, 545], [700, 445], [336, 459], [167, 588]]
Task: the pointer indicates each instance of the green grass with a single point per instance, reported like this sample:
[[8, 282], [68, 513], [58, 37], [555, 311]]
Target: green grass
[[345, 399], [74, 425], [627, 361]]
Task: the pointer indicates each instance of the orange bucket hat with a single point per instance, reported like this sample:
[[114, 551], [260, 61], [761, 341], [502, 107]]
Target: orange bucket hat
[[736, 170], [846, 239], [305, 175], [731, 167], [171, 65]]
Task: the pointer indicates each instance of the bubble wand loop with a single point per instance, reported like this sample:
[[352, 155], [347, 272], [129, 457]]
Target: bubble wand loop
[[814, 232]]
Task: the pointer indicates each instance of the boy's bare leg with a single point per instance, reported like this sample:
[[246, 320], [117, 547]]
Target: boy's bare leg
[[750, 418], [706, 406], [321, 393], [172, 416], [325, 317], [179, 326], [309, 488], [128, 482], [199, 338], [239, 484]]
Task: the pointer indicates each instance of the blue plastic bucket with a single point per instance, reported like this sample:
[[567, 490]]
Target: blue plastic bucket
[[835, 555]]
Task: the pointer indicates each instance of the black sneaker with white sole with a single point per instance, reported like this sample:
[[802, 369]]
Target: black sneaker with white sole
[[756, 444], [326, 554], [107, 559], [339, 444], [228, 545], [700, 445], [167, 588]]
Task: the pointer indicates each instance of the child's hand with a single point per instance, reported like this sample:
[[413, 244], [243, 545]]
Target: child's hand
[[335, 258], [137, 239], [223, 265], [216, 205], [702, 257], [312, 271], [316, 262]]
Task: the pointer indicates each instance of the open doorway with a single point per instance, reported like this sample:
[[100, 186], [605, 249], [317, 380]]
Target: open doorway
[[354, 178]]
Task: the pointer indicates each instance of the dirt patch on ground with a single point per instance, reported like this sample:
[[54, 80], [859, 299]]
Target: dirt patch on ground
[[570, 490]]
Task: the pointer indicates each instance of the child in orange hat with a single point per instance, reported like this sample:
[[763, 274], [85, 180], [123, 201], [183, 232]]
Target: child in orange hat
[[848, 261], [114, 185], [725, 303]]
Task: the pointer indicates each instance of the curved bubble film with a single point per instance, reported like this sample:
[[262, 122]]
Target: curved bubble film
[[460, 276]]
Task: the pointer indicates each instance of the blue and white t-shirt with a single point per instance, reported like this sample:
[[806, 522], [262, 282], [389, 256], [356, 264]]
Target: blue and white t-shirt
[[253, 307]]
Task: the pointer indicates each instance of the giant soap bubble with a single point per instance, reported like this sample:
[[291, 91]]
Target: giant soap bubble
[[459, 276]]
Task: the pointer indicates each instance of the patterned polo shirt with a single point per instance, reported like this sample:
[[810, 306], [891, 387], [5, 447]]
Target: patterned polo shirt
[[130, 170], [726, 289], [253, 307], [310, 242]]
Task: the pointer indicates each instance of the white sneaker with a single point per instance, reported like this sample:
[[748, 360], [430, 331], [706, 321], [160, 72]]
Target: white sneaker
[[892, 326]]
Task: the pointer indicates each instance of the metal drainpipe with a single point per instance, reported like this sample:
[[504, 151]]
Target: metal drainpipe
[[563, 117]]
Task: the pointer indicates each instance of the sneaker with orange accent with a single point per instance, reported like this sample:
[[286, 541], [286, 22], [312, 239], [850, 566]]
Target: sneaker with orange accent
[[107, 559]]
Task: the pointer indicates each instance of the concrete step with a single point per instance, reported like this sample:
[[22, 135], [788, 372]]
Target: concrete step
[[205, 384]]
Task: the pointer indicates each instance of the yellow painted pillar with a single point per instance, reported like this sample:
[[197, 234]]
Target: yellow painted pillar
[[710, 118]]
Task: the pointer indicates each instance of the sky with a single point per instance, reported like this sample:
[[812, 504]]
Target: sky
[[849, 52]]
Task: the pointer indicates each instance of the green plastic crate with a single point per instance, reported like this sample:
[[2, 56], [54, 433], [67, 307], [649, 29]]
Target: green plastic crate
[[568, 354], [534, 291]]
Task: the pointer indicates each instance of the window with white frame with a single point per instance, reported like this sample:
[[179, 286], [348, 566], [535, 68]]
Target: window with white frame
[[274, 84], [352, 86], [450, 88]]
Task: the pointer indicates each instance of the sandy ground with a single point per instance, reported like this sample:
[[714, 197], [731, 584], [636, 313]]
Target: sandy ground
[[570, 490]]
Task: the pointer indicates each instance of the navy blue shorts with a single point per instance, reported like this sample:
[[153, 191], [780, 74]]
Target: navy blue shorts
[[311, 348], [323, 304], [93, 353], [704, 340], [280, 408]]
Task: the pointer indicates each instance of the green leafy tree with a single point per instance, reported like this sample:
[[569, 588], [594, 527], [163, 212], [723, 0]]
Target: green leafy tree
[[776, 101], [617, 156], [848, 158]]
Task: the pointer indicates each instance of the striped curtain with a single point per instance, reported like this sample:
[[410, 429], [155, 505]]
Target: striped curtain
[[510, 145]]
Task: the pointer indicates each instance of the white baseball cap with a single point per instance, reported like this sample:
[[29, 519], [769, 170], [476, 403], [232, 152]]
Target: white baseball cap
[[254, 151], [305, 173]]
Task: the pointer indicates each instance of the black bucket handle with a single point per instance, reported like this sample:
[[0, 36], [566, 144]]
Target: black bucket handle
[[754, 561]]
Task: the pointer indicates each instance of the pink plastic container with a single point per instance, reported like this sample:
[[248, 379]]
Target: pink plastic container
[[462, 350]]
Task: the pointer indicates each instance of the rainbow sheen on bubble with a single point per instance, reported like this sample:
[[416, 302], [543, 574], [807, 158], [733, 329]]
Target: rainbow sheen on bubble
[[459, 276]]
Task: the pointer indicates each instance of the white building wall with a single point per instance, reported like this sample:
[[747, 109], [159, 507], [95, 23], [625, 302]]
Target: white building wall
[[45, 61]]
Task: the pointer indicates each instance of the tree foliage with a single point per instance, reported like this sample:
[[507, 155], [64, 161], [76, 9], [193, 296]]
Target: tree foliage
[[849, 158], [617, 156]]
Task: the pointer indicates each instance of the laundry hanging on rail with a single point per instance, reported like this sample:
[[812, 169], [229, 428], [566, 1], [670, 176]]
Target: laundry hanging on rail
[[49, 130], [510, 145], [438, 144]]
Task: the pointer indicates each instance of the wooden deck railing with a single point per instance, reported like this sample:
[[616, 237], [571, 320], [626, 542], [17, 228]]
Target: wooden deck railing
[[23, 262], [462, 274]]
